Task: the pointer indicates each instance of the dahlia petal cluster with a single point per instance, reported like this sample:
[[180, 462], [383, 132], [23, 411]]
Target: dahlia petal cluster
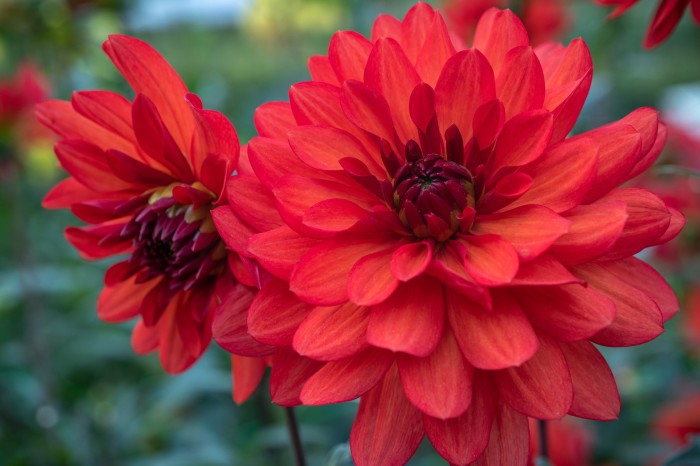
[[145, 175], [438, 247]]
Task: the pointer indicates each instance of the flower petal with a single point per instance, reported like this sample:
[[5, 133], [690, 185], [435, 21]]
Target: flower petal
[[460, 440], [275, 314], [383, 411], [346, 379], [332, 333], [411, 319], [439, 384], [531, 229], [595, 392], [491, 339], [541, 387], [568, 312]]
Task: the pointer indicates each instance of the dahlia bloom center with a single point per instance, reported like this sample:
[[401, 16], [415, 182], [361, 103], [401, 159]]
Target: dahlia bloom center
[[432, 194], [174, 236]]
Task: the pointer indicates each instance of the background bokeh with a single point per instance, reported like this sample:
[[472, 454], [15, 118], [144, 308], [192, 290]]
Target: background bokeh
[[72, 392]]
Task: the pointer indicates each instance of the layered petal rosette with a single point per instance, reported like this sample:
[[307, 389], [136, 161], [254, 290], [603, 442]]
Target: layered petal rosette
[[145, 175], [444, 251]]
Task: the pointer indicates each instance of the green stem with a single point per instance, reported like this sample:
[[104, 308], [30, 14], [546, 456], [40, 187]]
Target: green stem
[[294, 437]]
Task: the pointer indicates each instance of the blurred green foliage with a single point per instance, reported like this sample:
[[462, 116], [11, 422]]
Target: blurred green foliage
[[72, 392]]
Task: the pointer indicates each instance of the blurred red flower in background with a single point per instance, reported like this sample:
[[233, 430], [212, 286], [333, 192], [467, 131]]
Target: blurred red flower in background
[[145, 175], [677, 421], [570, 443], [445, 252], [18, 96], [544, 20], [665, 20]]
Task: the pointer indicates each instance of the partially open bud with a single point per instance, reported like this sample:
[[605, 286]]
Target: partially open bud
[[429, 195]]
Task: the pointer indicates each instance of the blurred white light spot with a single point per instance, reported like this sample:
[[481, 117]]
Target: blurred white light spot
[[46, 416], [681, 106]]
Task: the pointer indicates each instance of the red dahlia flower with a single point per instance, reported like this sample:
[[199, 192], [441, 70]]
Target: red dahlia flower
[[665, 20], [447, 253], [145, 175]]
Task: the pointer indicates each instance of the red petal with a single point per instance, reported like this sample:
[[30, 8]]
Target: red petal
[[411, 319], [174, 355], [562, 175], [278, 250], [595, 391], [289, 373], [569, 312], [448, 267], [144, 339], [665, 20], [332, 333], [214, 136], [638, 317], [62, 119], [594, 229], [108, 109], [488, 122], [386, 26], [230, 327], [491, 339], [462, 439], [253, 203], [370, 280], [348, 53], [275, 314], [568, 74], [274, 120], [148, 73], [87, 164], [368, 110], [87, 240], [390, 73], [319, 104], [122, 301], [411, 260], [333, 215], [466, 82], [233, 231], [346, 379], [246, 376], [323, 148], [321, 71], [541, 387], [647, 221], [321, 275], [436, 50], [440, 384], [642, 276], [497, 32], [520, 83], [544, 270], [383, 411], [68, 192], [531, 229], [619, 149], [509, 442], [522, 139], [490, 259]]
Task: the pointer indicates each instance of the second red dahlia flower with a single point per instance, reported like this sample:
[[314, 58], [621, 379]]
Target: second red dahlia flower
[[145, 175], [444, 251]]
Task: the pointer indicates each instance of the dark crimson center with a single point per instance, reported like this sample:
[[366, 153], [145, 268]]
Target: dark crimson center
[[430, 193], [174, 240]]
